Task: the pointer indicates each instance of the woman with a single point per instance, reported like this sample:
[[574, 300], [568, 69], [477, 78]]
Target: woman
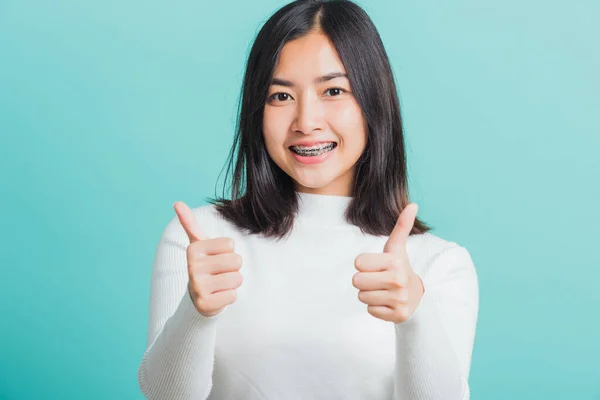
[[345, 294]]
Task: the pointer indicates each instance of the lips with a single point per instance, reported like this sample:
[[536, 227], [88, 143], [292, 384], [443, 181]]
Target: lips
[[313, 150], [315, 155]]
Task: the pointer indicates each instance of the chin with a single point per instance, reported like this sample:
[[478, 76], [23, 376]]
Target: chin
[[314, 180], [311, 186], [315, 185]]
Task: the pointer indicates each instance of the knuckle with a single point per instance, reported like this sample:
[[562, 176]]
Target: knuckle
[[236, 260], [194, 252], [371, 311], [190, 252], [358, 261], [229, 244], [355, 280], [395, 263], [394, 282], [398, 301], [193, 292], [238, 279], [201, 303], [402, 278], [196, 291], [403, 312], [194, 268], [193, 280], [402, 297], [198, 286]]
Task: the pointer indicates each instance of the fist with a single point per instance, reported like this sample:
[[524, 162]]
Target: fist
[[386, 281], [213, 266]]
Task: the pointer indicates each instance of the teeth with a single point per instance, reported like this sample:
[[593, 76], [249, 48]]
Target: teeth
[[317, 147], [313, 151]]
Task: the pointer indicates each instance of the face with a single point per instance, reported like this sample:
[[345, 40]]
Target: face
[[310, 101]]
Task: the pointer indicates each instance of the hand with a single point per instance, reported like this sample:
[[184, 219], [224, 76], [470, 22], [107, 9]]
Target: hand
[[213, 267], [386, 281]]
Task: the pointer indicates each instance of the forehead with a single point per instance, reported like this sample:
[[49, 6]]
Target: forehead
[[307, 57]]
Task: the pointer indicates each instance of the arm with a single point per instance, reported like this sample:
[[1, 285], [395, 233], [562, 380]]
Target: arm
[[178, 361], [434, 345]]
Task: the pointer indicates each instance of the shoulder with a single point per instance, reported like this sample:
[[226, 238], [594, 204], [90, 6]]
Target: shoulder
[[435, 257]]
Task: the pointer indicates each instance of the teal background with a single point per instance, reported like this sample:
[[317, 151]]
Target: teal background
[[110, 111]]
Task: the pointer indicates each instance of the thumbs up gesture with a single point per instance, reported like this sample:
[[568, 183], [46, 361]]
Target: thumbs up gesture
[[213, 267], [386, 281]]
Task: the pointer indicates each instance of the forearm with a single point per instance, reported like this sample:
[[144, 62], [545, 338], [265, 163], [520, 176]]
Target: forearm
[[179, 364], [427, 367]]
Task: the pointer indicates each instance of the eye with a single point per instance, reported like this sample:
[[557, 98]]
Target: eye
[[335, 91], [279, 96]]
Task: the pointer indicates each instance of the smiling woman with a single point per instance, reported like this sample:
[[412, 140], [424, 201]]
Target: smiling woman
[[318, 72], [319, 207]]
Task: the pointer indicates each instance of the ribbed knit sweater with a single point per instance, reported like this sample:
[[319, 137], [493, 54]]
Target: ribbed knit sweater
[[297, 329]]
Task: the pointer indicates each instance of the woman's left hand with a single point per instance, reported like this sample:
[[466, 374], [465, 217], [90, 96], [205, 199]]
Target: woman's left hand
[[386, 282]]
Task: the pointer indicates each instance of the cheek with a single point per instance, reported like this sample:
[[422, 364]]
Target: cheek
[[273, 128], [347, 118]]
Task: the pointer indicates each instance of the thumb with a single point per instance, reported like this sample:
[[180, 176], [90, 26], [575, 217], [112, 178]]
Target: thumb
[[396, 242], [188, 221]]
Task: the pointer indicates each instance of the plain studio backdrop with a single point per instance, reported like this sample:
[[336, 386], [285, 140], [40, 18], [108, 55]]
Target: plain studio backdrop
[[110, 111]]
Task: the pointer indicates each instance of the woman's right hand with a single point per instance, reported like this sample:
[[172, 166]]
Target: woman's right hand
[[213, 266]]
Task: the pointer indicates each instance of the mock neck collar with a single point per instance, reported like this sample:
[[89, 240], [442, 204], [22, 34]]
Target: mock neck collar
[[322, 209]]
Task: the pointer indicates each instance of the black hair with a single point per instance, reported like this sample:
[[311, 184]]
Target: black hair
[[263, 197]]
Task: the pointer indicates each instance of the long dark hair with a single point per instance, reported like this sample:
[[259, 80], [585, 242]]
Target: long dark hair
[[263, 197]]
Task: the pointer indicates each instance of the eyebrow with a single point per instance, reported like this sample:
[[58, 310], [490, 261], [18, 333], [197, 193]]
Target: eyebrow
[[320, 79]]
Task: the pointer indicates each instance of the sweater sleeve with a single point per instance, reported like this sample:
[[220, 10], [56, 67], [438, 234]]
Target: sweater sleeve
[[178, 361], [434, 345]]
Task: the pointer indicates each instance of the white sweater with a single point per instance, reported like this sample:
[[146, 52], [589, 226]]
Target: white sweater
[[297, 329]]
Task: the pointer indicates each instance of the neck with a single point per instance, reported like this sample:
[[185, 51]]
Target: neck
[[322, 209]]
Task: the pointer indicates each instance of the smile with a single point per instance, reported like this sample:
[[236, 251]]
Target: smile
[[315, 155], [313, 151]]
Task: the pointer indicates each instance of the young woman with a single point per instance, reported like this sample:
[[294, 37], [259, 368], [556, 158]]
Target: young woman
[[345, 294]]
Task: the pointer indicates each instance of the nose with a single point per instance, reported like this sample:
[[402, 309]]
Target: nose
[[309, 115]]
